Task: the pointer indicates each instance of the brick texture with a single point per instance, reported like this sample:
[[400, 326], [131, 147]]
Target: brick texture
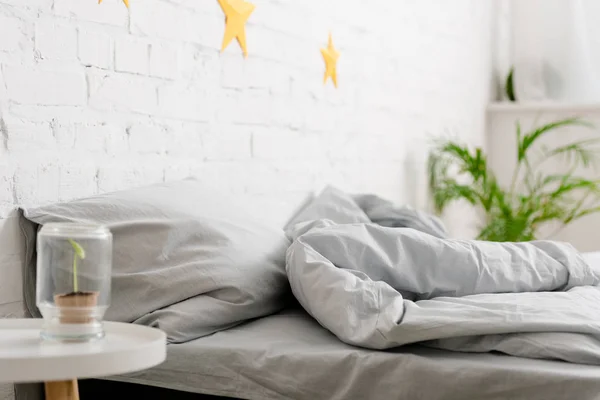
[[55, 41], [96, 98], [95, 49]]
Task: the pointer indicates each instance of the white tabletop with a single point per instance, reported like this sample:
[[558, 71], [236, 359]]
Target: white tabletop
[[25, 357]]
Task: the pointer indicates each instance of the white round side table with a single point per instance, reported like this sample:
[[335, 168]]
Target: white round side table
[[25, 357]]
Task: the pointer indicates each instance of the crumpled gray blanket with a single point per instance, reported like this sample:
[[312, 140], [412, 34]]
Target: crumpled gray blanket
[[380, 287], [385, 213]]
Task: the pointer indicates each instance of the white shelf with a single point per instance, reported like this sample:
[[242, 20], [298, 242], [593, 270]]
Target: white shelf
[[542, 106]]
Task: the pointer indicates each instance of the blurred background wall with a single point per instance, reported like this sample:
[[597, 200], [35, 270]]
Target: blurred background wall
[[96, 98]]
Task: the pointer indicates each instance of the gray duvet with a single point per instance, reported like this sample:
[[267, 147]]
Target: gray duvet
[[380, 287]]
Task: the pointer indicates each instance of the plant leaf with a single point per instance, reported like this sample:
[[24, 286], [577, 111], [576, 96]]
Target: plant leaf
[[571, 183], [500, 229], [578, 150], [451, 191], [583, 213], [447, 186], [510, 91], [77, 248], [530, 138]]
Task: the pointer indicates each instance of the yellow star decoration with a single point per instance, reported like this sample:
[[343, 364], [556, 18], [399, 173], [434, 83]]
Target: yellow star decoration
[[237, 13], [330, 55], [124, 1]]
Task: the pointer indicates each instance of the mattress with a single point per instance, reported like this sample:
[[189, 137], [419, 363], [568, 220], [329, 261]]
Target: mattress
[[289, 356]]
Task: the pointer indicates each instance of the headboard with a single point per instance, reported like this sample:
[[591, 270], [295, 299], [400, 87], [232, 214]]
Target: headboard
[[11, 256]]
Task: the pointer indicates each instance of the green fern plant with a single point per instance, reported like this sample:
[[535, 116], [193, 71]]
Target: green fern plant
[[533, 199]]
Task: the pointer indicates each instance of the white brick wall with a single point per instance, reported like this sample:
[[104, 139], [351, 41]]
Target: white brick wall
[[94, 49], [30, 85], [132, 55], [10, 33], [54, 40], [95, 98]]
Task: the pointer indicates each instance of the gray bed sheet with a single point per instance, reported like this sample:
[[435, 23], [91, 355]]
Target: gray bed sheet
[[289, 356]]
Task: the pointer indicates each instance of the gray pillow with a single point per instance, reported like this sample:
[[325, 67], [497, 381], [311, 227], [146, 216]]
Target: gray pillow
[[187, 259]]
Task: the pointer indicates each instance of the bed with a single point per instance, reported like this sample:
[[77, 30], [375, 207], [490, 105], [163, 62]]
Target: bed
[[289, 355]]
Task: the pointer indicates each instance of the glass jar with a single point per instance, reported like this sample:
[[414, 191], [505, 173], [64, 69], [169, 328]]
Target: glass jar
[[74, 264]]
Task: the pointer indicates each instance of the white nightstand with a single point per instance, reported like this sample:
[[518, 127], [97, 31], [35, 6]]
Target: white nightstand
[[25, 357]]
